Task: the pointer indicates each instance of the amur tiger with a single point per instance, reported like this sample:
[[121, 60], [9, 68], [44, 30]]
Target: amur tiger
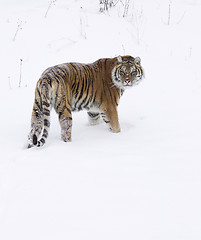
[[96, 87]]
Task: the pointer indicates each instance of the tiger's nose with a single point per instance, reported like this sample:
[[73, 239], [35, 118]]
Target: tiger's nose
[[127, 81]]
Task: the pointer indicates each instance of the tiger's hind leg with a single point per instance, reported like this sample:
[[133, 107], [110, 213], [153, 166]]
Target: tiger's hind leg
[[94, 118], [63, 109], [66, 126]]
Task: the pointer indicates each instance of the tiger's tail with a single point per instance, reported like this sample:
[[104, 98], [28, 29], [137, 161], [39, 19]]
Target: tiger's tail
[[40, 121]]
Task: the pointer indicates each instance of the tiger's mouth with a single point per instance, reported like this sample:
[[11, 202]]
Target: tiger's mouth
[[131, 84], [127, 85]]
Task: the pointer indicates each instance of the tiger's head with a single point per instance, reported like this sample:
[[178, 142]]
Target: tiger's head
[[127, 73]]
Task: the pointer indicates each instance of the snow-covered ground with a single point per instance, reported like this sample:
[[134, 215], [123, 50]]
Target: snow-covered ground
[[143, 183]]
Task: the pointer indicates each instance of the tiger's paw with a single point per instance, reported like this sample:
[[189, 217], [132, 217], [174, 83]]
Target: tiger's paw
[[67, 139], [66, 136], [116, 130]]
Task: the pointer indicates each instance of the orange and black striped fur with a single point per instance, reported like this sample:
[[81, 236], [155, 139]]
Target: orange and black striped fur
[[68, 87]]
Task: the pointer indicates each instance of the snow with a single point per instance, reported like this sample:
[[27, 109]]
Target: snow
[[143, 183]]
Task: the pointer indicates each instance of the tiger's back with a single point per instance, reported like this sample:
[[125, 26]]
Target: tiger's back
[[89, 84]]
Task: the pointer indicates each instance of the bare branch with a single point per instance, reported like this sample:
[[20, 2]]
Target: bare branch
[[20, 81]]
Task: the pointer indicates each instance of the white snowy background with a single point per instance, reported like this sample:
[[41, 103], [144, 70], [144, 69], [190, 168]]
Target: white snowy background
[[143, 183]]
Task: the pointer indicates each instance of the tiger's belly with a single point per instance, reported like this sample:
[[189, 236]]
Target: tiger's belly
[[93, 107]]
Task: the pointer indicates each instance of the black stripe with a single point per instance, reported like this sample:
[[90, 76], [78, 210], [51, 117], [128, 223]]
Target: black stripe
[[38, 104], [87, 96], [46, 104], [62, 111], [48, 79], [73, 85], [106, 121], [46, 112], [45, 133], [115, 101], [68, 110], [45, 109], [42, 140], [104, 88], [76, 91], [75, 67], [34, 139], [110, 94], [38, 92], [87, 103], [56, 95], [46, 123], [58, 105], [106, 63], [66, 119], [115, 74], [94, 98], [62, 70], [82, 89], [93, 115], [55, 77]]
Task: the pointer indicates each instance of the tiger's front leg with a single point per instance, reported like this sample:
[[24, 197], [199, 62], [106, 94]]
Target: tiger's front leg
[[110, 116]]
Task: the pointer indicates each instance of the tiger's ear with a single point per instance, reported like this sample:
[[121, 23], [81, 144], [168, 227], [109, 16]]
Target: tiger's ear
[[119, 58], [138, 60]]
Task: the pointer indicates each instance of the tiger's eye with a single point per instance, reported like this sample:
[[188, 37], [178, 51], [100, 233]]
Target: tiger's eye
[[121, 72], [133, 72]]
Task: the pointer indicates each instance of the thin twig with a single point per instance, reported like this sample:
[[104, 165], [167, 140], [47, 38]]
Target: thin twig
[[169, 11], [126, 8], [49, 6], [20, 73], [18, 28]]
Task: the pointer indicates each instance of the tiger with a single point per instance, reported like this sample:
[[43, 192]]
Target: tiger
[[95, 87]]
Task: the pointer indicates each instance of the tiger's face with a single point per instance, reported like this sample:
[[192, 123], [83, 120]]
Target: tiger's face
[[127, 73]]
